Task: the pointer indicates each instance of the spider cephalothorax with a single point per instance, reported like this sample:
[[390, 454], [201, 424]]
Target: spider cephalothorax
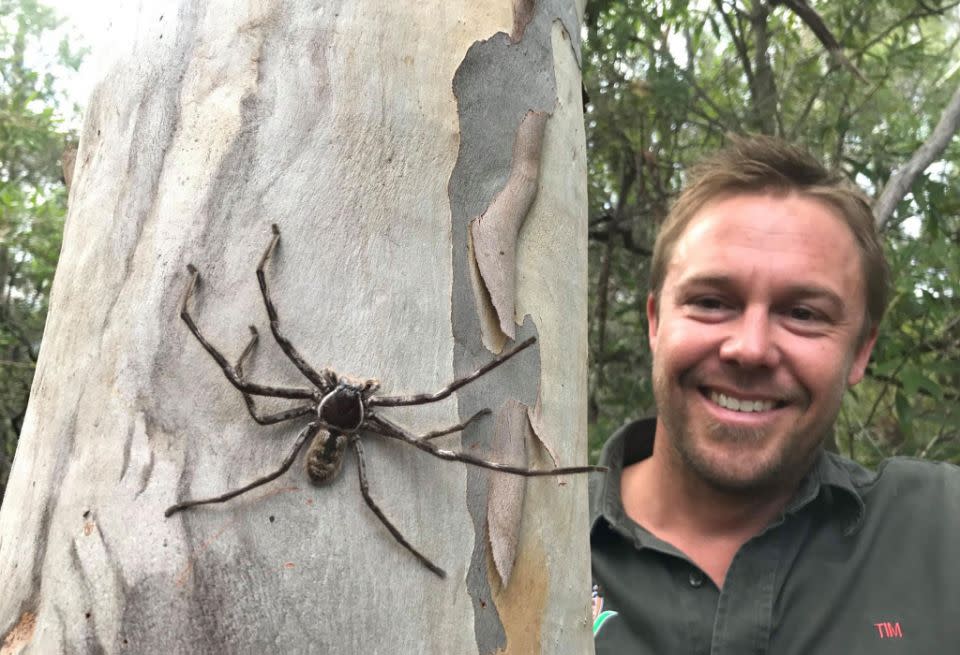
[[342, 410], [344, 407]]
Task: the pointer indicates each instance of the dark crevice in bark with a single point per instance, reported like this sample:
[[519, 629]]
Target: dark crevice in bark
[[88, 620], [127, 445], [145, 474], [156, 118]]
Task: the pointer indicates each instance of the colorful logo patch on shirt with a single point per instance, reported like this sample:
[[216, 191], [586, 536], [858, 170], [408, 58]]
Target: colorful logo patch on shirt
[[600, 620], [599, 616], [596, 602]]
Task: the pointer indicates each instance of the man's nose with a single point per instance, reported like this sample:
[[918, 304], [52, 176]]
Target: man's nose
[[750, 342]]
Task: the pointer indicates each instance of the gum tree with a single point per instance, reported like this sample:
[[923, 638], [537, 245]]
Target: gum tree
[[425, 164]]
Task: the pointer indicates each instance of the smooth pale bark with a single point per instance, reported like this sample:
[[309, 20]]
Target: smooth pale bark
[[341, 122]]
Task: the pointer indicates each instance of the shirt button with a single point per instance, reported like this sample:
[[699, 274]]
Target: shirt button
[[696, 579]]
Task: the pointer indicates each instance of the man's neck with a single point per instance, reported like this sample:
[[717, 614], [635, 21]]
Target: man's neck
[[703, 522]]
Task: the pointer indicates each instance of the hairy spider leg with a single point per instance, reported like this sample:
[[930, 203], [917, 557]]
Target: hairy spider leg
[[424, 398], [383, 427], [306, 434], [365, 490], [266, 419], [228, 370], [325, 380]]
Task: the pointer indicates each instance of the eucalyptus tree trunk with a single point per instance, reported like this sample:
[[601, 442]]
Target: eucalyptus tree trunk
[[389, 141]]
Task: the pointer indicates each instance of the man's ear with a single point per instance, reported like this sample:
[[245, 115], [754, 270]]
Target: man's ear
[[862, 357], [652, 322]]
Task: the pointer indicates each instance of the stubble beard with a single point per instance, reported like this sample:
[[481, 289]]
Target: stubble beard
[[791, 461], [692, 458]]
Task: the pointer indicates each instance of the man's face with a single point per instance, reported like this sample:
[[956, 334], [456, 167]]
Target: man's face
[[756, 338]]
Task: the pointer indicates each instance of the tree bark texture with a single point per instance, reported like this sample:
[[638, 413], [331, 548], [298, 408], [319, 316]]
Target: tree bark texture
[[372, 133]]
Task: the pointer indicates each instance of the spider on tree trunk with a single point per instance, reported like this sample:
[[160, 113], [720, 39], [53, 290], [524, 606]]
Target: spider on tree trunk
[[341, 409]]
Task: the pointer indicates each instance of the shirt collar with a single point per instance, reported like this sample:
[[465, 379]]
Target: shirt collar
[[838, 482], [834, 479]]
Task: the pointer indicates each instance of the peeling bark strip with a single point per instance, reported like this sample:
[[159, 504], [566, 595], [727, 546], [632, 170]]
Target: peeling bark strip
[[522, 13], [21, 635], [498, 82], [68, 161], [535, 416], [523, 613], [505, 504], [495, 231]]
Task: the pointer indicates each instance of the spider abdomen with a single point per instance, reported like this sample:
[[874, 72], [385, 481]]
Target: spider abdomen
[[325, 457]]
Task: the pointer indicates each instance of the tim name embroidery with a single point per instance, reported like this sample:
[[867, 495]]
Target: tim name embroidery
[[888, 630]]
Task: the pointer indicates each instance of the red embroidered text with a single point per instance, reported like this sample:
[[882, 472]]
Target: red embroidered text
[[888, 630]]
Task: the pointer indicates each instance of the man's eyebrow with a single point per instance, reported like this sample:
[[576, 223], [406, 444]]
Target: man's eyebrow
[[707, 280], [793, 291]]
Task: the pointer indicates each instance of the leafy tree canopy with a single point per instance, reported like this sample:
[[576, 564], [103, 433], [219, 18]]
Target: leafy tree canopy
[[862, 85]]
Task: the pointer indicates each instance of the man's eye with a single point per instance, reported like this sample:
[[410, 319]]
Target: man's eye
[[708, 303], [803, 314]]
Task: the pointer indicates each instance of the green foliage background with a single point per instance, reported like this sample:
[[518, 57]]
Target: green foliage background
[[664, 81], [33, 198]]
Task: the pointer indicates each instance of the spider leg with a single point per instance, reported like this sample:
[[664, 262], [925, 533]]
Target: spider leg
[[383, 427], [423, 398], [365, 490], [228, 370], [266, 419], [455, 428], [307, 433], [325, 380]]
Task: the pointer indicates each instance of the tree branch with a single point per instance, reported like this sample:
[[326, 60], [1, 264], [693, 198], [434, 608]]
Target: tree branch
[[812, 19], [906, 18], [765, 96], [722, 121], [738, 43], [21, 336], [901, 181]]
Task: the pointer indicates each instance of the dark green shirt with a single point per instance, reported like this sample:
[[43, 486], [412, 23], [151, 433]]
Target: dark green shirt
[[859, 563]]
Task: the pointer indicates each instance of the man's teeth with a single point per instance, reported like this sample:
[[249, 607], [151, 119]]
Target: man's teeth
[[741, 405]]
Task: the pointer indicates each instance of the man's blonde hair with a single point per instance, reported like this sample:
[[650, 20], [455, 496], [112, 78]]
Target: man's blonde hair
[[761, 164]]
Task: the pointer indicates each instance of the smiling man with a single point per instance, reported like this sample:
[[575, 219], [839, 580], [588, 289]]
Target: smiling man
[[723, 527]]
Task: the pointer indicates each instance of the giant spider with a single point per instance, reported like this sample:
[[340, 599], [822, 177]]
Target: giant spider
[[341, 410]]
